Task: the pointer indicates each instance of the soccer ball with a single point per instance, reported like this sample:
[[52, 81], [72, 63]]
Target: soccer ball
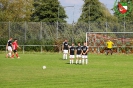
[[44, 67]]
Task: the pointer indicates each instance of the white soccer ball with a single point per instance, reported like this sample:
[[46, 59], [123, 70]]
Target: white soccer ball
[[44, 67]]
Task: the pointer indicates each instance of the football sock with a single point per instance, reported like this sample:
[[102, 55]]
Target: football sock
[[86, 61], [63, 56], [79, 61], [82, 61], [9, 54], [13, 55], [72, 61], [66, 56], [16, 55], [76, 61]]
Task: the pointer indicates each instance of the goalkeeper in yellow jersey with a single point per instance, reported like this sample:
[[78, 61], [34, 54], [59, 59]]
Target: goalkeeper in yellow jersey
[[109, 47]]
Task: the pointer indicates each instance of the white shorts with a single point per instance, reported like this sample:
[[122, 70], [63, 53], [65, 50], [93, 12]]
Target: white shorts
[[9, 48], [65, 51], [84, 56], [78, 56], [72, 56]]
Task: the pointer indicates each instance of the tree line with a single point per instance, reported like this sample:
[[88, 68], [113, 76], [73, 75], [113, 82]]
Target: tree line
[[47, 11]]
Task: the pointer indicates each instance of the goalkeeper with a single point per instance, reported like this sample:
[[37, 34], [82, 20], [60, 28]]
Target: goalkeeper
[[109, 44]]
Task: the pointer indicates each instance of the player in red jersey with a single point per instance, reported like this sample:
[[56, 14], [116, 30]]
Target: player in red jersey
[[15, 47]]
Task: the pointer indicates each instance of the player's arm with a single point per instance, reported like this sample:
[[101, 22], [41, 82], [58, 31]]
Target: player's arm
[[18, 46], [82, 52], [62, 47], [69, 51], [12, 46], [87, 50], [112, 43], [75, 51]]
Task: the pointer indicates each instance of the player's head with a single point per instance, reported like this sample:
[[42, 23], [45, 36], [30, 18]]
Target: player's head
[[66, 40], [15, 40], [78, 43], [109, 40], [72, 44], [84, 43], [11, 38]]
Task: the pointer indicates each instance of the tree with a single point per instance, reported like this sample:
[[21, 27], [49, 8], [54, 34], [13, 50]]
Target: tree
[[15, 10], [97, 16], [48, 11], [93, 10]]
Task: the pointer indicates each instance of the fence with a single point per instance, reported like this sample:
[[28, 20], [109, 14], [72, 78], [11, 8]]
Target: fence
[[41, 33]]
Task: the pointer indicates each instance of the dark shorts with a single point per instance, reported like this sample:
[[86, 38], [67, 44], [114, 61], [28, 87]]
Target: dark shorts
[[109, 49], [14, 51]]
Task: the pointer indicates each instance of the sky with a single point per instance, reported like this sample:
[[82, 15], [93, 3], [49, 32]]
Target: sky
[[73, 8]]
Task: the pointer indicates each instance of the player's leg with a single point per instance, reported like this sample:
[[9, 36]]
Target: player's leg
[[13, 53], [86, 59], [17, 54], [66, 52], [107, 51], [83, 57], [66, 56], [111, 51], [73, 58], [9, 52], [63, 54], [70, 59], [77, 57], [80, 59]]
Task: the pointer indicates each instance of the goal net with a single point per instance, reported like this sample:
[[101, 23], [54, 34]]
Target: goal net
[[123, 41]]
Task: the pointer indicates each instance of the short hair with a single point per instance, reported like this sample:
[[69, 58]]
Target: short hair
[[15, 39]]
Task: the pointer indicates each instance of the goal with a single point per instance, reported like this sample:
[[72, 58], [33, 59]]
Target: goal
[[123, 41]]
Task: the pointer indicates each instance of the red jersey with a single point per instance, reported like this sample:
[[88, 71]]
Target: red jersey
[[15, 45]]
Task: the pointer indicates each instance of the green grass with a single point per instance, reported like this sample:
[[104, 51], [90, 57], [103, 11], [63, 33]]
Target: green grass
[[102, 72]]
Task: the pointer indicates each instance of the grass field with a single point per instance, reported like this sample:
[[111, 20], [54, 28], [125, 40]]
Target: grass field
[[103, 71]]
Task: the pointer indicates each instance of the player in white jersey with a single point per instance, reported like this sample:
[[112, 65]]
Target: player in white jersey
[[9, 48], [84, 53], [65, 48], [78, 53]]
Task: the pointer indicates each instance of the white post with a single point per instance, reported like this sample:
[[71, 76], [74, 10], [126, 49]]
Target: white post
[[9, 30]]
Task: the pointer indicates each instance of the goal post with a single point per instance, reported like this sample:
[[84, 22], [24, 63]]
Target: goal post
[[123, 41]]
